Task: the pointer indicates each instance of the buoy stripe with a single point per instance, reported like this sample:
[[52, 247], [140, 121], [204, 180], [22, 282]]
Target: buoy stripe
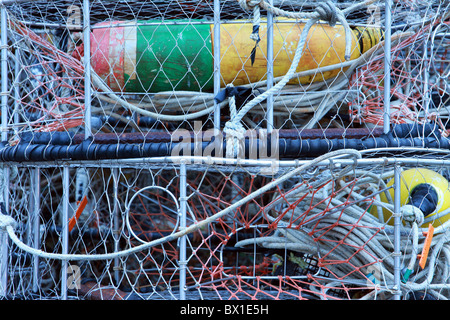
[[143, 57]]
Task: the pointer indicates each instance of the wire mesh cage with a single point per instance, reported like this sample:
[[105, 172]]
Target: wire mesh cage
[[224, 150]]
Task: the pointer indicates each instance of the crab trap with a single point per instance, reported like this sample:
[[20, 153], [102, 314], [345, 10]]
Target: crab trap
[[225, 150]]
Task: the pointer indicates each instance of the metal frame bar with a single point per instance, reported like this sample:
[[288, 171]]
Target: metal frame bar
[[65, 231], [87, 69], [387, 67], [4, 124], [197, 160], [426, 75], [175, 160], [116, 223], [216, 59], [4, 239], [36, 181], [17, 73], [269, 113], [397, 236], [4, 72]]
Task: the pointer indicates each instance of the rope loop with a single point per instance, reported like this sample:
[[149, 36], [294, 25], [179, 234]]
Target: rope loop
[[249, 5], [235, 132], [6, 221], [328, 11], [412, 214]]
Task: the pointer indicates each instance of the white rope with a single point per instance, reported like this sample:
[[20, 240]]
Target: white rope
[[358, 228], [233, 125], [8, 224], [235, 131], [253, 5], [7, 221], [127, 209], [99, 83], [326, 11], [412, 214]]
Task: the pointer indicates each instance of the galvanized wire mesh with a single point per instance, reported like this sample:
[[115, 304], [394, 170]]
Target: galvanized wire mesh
[[217, 150]]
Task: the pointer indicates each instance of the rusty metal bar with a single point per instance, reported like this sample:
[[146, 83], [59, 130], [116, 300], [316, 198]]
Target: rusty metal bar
[[149, 137]]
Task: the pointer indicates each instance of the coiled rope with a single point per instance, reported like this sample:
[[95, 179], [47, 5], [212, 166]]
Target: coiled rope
[[326, 11], [303, 231]]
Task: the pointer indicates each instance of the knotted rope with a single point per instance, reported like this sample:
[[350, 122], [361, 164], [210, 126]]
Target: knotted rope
[[324, 11], [7, 221], [412, 214], [235, 131]]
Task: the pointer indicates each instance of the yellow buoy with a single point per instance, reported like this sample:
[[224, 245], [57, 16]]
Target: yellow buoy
[[420, 189], [325, 46]]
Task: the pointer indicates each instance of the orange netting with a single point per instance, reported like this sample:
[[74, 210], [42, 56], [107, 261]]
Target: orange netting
[[248, 254], [408, 70]]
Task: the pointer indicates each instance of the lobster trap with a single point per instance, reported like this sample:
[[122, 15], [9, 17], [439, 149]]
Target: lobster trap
[[224, 150]]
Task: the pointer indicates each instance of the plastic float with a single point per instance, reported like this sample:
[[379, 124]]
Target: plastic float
[[146, 56]]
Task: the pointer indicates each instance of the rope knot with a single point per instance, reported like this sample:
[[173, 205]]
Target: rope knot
[[412, 214], [328, 12], [233, 129], [253, 5], [249, 4], [235, 132]]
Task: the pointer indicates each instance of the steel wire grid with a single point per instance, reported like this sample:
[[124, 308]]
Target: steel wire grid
[[93, 164]]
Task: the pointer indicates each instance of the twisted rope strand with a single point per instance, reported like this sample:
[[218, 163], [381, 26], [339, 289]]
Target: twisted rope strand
[[324, 11]]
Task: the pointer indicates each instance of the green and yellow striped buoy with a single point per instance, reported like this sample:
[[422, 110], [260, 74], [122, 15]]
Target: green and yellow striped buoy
[[149, 56]]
